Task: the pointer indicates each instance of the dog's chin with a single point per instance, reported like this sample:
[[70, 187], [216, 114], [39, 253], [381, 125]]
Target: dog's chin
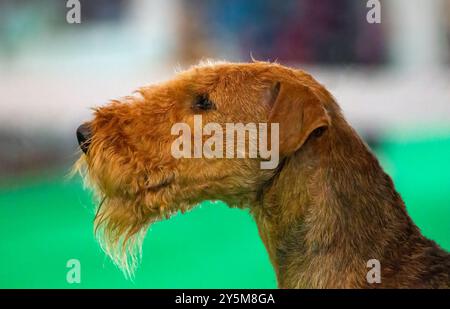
[[138, 208]]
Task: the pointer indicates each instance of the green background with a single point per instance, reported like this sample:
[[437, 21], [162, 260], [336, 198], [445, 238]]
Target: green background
[[45, 220]]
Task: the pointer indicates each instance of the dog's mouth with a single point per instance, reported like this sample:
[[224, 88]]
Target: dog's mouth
[[150, 195], [162, 184]]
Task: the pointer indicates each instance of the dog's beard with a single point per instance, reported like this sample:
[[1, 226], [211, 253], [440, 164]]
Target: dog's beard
[[121, 223], [120, 233]]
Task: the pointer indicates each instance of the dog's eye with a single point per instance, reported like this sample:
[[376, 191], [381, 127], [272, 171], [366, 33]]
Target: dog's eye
[[203, 103], [318, 132]]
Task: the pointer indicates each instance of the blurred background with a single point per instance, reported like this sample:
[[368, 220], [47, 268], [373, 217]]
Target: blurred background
[[391, 79]]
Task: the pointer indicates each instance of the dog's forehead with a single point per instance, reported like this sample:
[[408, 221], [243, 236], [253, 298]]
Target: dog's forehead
[[209, 76], [235, 73], [229, 68]]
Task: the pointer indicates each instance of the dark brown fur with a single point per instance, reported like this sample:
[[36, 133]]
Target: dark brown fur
[[349, 213]]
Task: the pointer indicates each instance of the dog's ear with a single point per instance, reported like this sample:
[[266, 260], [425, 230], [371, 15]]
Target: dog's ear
[[299, 113]]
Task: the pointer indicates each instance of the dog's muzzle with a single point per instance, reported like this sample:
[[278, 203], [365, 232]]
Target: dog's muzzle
[[84, 137]]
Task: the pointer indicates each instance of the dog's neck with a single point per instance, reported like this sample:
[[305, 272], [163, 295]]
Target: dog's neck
[[330, 210]]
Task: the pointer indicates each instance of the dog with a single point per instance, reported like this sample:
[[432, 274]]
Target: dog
[[325, 210]]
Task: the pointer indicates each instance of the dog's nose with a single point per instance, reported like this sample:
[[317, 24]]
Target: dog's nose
[[84, 137]]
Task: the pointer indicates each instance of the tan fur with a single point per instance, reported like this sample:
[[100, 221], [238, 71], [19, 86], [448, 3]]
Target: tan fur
[[322, 214]]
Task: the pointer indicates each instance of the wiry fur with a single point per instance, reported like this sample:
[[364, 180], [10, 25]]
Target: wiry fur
[[325, 211]]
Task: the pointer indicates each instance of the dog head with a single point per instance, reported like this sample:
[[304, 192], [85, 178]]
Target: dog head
[[147, 156]]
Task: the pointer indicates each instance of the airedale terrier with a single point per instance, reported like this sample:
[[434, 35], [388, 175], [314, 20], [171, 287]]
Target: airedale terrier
[[324, 211]]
